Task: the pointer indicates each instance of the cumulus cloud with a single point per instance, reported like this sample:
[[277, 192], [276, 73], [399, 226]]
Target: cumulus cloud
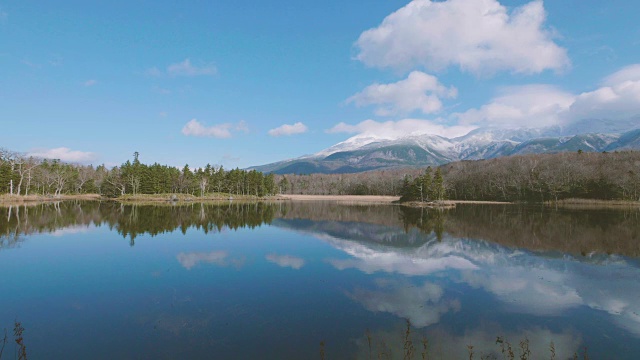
[[618, 98], [64, 154], [220, 131], [481, 37], [423, 305], [419, 91], [521, 106], [628, 73], [184, 68], [394, 129], [286, 129], [286, 261]]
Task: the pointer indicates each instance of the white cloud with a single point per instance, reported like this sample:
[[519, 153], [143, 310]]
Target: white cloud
[[542, 105], [73, 229], [423, 305], [286, 129], [286, 261], [521, 106], [3, 15], [479, 36], [242, 126], [64, 154], [186, 68], [220, 131], [90, 82], [419, 91], [370, 260], [394, 129], [628, 73], [189, 260], [618, 98]]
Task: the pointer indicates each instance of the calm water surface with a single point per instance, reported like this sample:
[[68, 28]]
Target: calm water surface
[[273, 281]]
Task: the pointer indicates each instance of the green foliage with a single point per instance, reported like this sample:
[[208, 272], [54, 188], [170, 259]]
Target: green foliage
[[426, 187]]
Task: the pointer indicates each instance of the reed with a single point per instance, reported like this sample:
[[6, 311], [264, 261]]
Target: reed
[[4, 343], [408, 343], [21, 348]]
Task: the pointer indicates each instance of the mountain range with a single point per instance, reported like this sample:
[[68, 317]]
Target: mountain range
[[364, 153]]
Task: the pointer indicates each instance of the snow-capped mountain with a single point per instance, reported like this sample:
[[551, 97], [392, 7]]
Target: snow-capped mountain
[[363, 153]]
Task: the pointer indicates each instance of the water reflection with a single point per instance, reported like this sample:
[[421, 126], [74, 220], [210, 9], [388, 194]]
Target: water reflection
[[423, 304], [286, 261], [220, 258], [445, 344], [579, 232], [462, 276]]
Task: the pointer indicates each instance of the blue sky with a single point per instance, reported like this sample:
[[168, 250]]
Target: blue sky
[[242, 83]]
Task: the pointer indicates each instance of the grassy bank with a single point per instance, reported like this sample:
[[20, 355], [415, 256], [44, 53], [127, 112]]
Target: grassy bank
[[22, 199], [213, 197]]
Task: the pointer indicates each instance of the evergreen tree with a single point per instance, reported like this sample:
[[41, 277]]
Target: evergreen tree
[[438, 185]]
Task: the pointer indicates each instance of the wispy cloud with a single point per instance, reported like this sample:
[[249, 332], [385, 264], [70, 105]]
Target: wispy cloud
[[286, 261], [64, 154], [220, 258], [189, 260], [91, 82], [286, 129], [184, 68], [220, 131], [3, 15]]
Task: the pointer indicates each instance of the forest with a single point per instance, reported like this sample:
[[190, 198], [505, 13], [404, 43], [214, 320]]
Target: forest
[[522, 178], [21, 175]]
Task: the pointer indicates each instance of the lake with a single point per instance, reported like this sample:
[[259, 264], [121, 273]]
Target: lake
[[312, 280]]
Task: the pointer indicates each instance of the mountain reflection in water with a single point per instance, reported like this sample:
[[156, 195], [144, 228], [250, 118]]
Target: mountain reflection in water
[[461, 276], [541, 229]]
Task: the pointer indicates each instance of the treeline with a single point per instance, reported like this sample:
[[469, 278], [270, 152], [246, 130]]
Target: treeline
[[546, 177], [22, 175], [524, 178]]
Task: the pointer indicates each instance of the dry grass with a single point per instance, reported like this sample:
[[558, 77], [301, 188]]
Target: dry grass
[[21, 199], [171, 198], [593, 204], [354, 199]]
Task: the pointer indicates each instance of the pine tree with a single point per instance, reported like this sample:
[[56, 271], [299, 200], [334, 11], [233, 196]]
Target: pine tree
[[438, 185], [427, 185]]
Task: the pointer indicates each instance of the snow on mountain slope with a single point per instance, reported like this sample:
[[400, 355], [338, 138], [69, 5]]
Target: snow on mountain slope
[[363, 152]]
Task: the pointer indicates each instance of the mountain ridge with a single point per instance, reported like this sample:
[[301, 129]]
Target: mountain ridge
[[363, 152]]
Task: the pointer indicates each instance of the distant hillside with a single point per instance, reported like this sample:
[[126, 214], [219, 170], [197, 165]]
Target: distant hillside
[[365, 153]]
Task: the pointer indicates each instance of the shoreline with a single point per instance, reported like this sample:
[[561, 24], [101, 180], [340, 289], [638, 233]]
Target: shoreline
[[10, 200], [369, 199], [31, 199]]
